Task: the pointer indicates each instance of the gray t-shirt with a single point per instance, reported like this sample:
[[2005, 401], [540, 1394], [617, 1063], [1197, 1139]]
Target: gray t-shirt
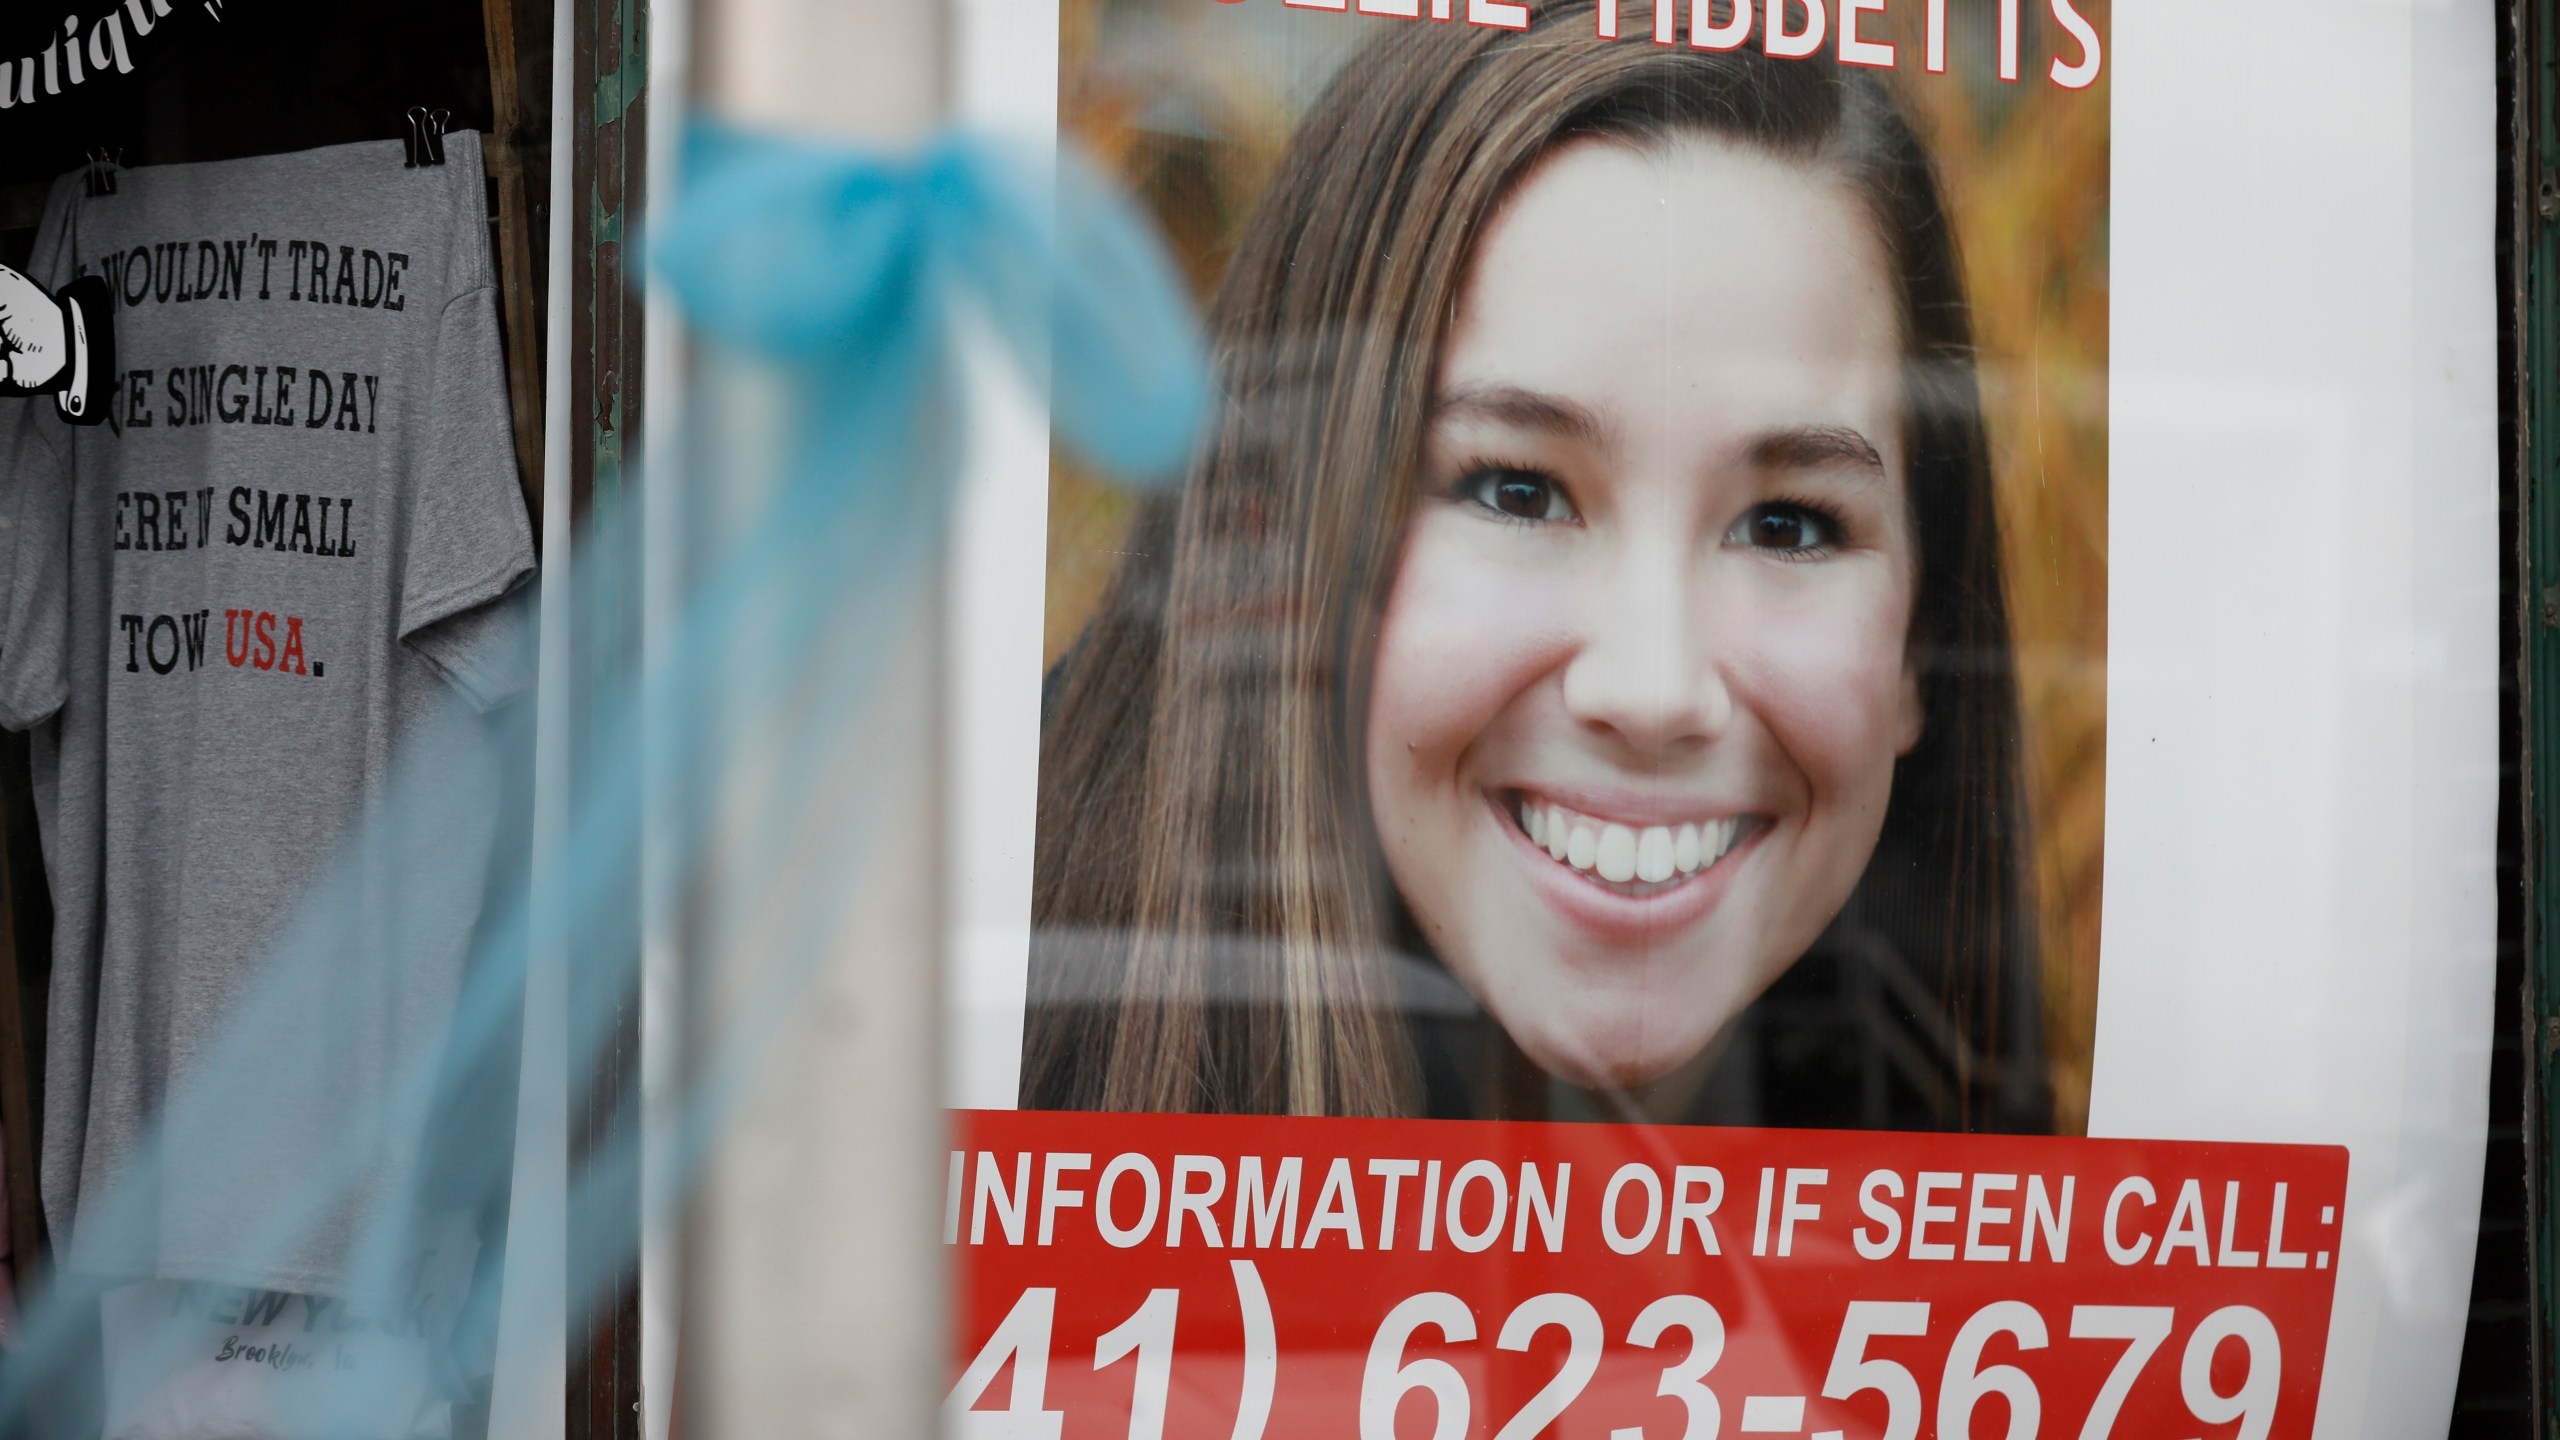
[[224, 611]]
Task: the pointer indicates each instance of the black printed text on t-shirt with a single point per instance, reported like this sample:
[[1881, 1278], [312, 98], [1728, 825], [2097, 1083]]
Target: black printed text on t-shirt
[[285, 520], [289, 522], [317, 272], [308, 397], [251, 640]]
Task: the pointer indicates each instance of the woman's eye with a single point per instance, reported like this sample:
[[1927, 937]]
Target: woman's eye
[[1517, 494], [1787, 529]]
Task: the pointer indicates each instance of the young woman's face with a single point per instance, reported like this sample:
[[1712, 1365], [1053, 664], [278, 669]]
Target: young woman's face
[[1642, 683]]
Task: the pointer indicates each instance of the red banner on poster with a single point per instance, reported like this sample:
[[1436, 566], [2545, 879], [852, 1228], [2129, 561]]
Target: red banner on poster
[[1149, 1275]]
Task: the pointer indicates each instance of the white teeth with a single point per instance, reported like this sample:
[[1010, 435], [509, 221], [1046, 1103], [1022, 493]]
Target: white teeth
[[1620, 853], [1617, 854], [1653, 854]]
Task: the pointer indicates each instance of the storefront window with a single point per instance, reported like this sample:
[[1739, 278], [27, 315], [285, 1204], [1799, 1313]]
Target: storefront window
[[1455, 718]]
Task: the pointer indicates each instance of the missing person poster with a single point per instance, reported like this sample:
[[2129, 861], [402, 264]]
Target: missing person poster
[[1812, 750]]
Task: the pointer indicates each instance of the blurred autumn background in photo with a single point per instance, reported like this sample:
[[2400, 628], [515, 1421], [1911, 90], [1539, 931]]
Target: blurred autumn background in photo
[[1191, 102]]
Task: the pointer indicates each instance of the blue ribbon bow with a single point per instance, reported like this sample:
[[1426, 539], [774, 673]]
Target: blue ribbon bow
[[852, 266]]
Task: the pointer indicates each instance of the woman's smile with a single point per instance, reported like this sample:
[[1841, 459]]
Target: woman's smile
[[1631, 856], [1624, 885]]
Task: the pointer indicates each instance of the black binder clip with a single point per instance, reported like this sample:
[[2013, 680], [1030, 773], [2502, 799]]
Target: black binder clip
[[103, 165], [426, 136]]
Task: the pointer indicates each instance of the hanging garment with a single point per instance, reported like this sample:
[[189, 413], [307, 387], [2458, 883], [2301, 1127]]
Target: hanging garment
[[183, 1360], [224, 609]]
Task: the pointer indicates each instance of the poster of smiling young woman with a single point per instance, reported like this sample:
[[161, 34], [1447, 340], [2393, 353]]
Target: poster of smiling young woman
[[1812, 751]]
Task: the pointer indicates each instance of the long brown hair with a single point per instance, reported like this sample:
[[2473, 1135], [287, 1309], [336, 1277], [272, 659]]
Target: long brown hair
[[1214, 926]]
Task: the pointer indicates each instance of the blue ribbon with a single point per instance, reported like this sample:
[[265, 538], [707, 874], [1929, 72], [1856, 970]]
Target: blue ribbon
[[853, 265]]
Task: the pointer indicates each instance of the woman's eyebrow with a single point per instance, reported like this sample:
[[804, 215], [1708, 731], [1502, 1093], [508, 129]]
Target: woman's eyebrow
[[1814, 447], [1527, 409]]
